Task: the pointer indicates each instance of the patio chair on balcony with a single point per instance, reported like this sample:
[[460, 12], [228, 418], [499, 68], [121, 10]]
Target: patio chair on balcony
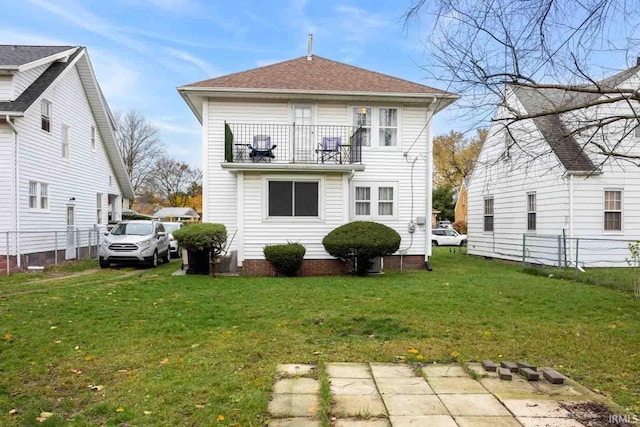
[[262, 150], [330, 149]]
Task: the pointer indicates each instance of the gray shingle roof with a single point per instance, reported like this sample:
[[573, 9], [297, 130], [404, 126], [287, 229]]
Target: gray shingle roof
[[176, 212], [20, 55], [26, 98]]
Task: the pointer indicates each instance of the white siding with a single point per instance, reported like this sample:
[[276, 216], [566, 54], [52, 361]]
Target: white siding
[[81, 177], [7, 168], [384, 165], [24, 79], [6, 88]]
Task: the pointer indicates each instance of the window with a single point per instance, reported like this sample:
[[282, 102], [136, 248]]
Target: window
[[38, 195], [488, 214], [363, 201], [33, 195], [65, 142], [93, 138], [289, 198], [362, 118], [385, 201], [613, 210], [45, 107], [636, 131], [388, 127], [531, 211], [99, 208]]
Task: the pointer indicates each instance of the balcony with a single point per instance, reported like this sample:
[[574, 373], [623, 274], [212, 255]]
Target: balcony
[[250, 146]]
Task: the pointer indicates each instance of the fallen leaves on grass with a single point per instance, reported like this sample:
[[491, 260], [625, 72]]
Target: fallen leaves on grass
[[413, 351], [14, 411], [95, 387], [88, 357], [119, 409], [164, 361], [76, 371], [220, 418], [44, 416], [147, 412], [7, 336], [455, 355]]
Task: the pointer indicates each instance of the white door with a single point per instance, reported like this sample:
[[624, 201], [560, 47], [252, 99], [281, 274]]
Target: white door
[[70, 252], [304, 150]]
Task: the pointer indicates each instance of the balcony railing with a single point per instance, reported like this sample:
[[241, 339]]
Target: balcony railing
[[283, 143]]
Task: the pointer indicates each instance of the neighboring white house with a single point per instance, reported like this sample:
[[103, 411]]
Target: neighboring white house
[[545, 183], [60, 167], [176, 214], [295, 149]]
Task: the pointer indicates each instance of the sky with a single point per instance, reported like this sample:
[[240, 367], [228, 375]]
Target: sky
[[142, 50]]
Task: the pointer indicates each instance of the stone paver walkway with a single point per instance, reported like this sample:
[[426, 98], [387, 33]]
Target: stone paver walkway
[[385, 395]]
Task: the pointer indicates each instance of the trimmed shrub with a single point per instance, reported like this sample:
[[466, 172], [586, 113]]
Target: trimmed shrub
[[460, 227], [359, 242], [285, 259], [204, 237]]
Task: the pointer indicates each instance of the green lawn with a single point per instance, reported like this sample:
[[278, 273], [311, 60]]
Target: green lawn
[[188, 349], [620, 278]]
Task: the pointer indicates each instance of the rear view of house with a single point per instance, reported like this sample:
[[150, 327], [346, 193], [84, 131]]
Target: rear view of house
[[60, 167], [295, 149]]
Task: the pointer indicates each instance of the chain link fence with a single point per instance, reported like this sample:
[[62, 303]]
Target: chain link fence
[[575, 252], [20, 250]]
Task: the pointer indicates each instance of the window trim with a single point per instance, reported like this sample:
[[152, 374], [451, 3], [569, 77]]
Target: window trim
[[374, 141], [374, 194], [396, 127], [485, 215], [39, 196], [292, 178], [43, 117], [93, 139], [99, 209], [533, 212], [67, 143], [604, 211]]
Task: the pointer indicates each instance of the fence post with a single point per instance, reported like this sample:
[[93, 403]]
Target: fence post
[[293, 144], [577, 258], [55, 253], [7, 257], [524, 248], [559, 251]]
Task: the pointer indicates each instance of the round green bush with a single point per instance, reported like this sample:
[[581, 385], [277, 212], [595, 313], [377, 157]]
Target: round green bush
[[285, 259], [361, 241], [205, 237]]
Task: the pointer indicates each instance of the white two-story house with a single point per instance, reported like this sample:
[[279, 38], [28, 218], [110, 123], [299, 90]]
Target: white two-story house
[[547, 184], [60, 167], [293, 150]]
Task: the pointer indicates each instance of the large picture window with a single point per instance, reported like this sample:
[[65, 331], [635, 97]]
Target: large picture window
[[293, 199], [488, 214], [613, 210]]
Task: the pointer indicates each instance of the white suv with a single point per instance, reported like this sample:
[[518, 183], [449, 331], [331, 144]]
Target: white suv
[[447, 237], [135, 241]]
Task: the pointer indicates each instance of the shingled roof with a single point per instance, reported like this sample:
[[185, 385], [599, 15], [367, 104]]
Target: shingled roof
[[317, 74], [12, 55]]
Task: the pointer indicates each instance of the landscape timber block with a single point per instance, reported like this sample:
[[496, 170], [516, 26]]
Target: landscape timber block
[[505, 374], [489, 366], [525, 365], [553, 377], [510, 366], [529, 374]]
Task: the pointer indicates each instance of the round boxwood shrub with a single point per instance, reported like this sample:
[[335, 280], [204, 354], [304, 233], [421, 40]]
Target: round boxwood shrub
[[361, 241], [203, 237], [285, 259]]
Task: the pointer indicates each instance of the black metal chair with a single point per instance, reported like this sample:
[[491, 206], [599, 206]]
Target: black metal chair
[[262, 149]]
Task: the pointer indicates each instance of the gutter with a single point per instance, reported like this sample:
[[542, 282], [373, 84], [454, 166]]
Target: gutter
[[17, 186]]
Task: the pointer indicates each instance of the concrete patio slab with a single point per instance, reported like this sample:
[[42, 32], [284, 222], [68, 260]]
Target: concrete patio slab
[[443, 371], [297, 385], [425, 420], [362, 423], [536, 408], [549, 422], [480, 405], [403, 385], [390, 370], [456, 385], [479, 371], [294, 405], [361, 386], [348, 370], [353, 405], [414, 404], [515, 388], [294, 422], [294, 370], [566, 389], [487, 422]]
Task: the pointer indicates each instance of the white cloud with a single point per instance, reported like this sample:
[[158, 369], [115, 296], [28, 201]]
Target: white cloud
[[196, 62], [13, 35], [118, 82], [265, 62], [168, 124]]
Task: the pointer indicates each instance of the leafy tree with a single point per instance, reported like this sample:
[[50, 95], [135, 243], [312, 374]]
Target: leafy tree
[[454, 157], [444, 201], [173, 180]]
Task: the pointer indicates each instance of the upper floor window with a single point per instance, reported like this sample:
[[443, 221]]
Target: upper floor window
[[380, 125], [293, 198], [362, 118], [38, 195], [488, 214], [613, 210], [388, 126], [531, 211], [45, 107], [65, 142], [93, 138]]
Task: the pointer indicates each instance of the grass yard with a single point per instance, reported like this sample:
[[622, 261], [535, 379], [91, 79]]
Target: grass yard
[[166, 350], [621, 278]]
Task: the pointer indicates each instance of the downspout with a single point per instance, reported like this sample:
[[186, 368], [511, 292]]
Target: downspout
[[16, 169], [429, 195]]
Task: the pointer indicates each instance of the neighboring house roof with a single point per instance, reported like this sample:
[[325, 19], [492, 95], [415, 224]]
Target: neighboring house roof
[[176, 213], [317, 74], [12, 55]]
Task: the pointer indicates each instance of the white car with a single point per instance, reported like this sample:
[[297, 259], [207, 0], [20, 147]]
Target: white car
[[174, 247], [135, 241], [447, 237]]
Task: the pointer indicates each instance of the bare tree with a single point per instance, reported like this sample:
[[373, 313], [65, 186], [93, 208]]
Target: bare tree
[[139, 145], [175, 181], [543, 61]]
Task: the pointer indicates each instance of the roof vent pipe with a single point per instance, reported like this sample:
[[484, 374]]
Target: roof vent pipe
[[310, 47], [637, 61]]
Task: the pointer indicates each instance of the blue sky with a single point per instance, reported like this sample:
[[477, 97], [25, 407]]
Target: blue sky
[[143, 49]]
